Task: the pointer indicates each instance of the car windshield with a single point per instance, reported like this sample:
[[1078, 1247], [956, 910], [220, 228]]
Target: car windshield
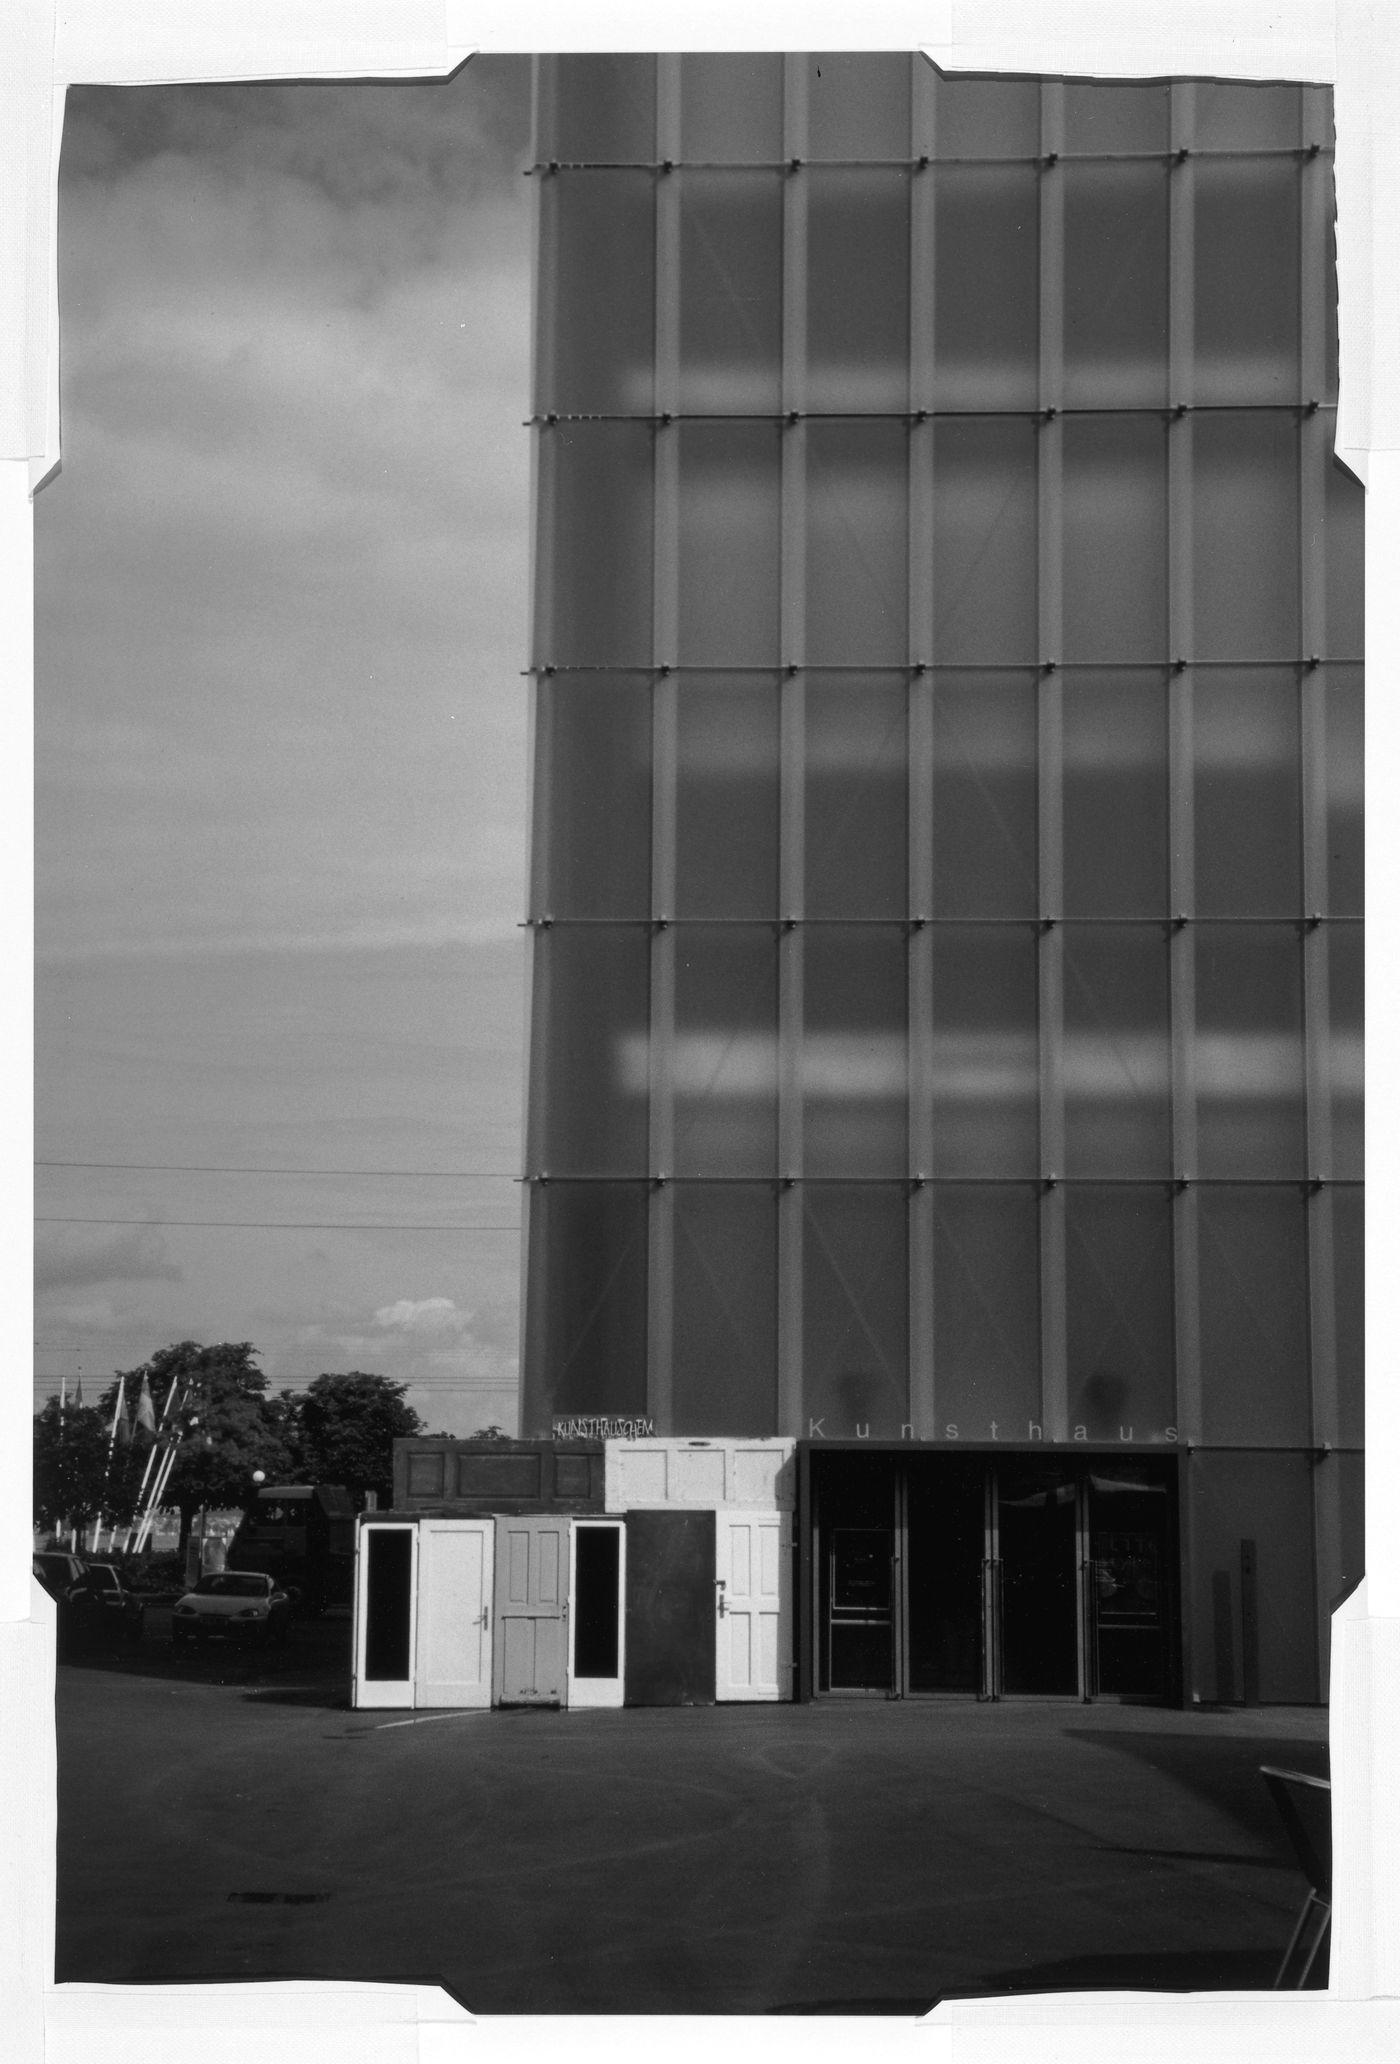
[[231, 1585]]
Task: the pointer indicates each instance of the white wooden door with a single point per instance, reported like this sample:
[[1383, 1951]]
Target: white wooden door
[[386, 1586], [753, 1605], [453, 1665]]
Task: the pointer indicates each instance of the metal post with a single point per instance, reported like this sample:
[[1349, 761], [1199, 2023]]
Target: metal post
[[1054, 1374], [792, 751], [923, 1376], [665, 626]]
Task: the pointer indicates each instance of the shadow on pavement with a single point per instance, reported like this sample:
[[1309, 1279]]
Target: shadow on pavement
[[1224, 1771], [312, 1668], [1220, 1970]]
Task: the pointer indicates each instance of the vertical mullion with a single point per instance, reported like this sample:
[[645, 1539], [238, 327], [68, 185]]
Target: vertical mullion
[[1181, 693], [1315, 434], [665, 583], [791, 752], [923, 1376], [1050, 755]]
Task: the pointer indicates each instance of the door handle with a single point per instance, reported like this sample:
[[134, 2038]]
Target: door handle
[[719, 1587], [486, 1618]]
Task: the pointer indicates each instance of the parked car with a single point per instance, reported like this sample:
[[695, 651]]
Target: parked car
[[106, 1601], [58, 1572], [232, 1605], [94, 1600]]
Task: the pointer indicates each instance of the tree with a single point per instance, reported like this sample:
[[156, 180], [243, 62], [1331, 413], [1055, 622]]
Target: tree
[[345, 1429], [222, 1423], [72, 1480]]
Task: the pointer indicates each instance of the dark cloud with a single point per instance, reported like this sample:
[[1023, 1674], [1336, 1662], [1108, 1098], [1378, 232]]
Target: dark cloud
[[136, 1255]]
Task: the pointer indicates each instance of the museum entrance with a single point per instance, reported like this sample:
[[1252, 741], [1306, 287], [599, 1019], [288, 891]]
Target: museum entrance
[[990, 1575]]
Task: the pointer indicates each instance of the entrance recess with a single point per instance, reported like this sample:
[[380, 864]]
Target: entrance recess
[[1008, 1575]]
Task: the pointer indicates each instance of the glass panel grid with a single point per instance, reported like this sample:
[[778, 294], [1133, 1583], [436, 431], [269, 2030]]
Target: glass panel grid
[[1006, 596]]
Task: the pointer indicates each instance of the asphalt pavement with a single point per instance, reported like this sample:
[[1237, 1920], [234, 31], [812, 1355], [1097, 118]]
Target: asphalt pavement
[[226, 1815]]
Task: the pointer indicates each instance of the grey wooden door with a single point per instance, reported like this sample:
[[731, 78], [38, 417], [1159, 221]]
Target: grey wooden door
[[530, 1653]]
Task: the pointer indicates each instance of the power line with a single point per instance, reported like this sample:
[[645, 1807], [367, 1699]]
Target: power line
[[277, 1225], [219, 1168]]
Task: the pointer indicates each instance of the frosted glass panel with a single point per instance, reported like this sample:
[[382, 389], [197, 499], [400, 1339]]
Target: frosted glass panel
[[1346, 979], [1269, 1500], [1249, 1056], [1245, 731], [732, 107], [986, 1311], [731, 291], [856, 734], [1115, 794], [593, 796], [1115, 538], [724, 1347], [985, 118], [857, 543], [588, 1301], [858, 104], [985, 578], [1247, 260], [727, 796], [983, 1070], [730, 491], [1116, 118], [985, 789], [589, 1075], [1254, 1317], [854, 1050], [1118, 1293], [596, 108], [593, 580], [598, 314], [1348, 1208], [855, 1298], [1115, 285], [1246, 536], [1117, 1064], [857, 289], [1346, 883], [986, 236], [724, 1061], [1237, 117], [1346, 561]]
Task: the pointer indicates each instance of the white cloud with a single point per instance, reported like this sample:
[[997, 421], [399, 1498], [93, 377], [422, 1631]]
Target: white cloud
[[423, 1315]]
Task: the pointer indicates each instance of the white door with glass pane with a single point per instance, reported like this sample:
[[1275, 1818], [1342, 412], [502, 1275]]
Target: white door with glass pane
[[453, 1664], [753, 1605]]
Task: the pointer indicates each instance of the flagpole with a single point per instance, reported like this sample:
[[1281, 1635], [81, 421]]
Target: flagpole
[[167, 1463], [157, 1492], [111, 1450]]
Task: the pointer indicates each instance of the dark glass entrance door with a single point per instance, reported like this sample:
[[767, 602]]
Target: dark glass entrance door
[[946, 1522], [1038, 1547], [862, 1608], [1128, 1582]]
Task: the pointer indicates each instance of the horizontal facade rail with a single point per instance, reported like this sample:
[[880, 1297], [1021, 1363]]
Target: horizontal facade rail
[[1046, 161]]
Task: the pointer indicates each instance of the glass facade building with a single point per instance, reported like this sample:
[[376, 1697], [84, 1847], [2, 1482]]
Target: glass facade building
[[946, 848]]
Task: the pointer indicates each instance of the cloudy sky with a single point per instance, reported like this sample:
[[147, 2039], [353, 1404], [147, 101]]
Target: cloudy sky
[[281, 734]]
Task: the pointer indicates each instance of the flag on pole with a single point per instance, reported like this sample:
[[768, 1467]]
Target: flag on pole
[[121, 1421], [145, 1409]]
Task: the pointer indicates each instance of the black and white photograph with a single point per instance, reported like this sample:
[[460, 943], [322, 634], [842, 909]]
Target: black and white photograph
[[699, 1316]]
